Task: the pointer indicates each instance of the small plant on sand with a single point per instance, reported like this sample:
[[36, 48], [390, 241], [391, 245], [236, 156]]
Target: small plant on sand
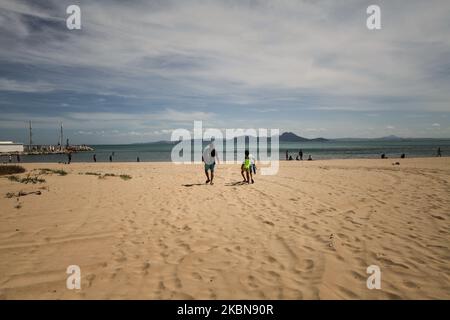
[[92, 174], [109, 175], [106, 175], [49, 171], [11, 169], [14, 178], [103, 176], [60, 172], [22, 194], [27, 179]]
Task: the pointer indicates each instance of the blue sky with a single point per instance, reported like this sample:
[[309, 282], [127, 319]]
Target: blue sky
[[139, 69]]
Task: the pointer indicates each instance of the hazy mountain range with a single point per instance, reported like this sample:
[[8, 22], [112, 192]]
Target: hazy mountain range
[[292, 137]]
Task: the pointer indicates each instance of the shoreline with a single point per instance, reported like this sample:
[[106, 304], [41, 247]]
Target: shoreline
[[234, 163]]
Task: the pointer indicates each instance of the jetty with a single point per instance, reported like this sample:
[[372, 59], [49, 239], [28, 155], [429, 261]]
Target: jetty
[[55, 149], [11, 148]]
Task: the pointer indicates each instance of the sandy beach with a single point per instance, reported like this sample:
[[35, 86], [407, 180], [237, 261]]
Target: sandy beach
[[308, 232]]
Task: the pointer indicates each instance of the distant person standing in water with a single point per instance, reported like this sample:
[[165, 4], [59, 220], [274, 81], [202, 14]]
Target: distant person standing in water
[[138, 160], [94, 157], [18, 158], [300, 153], [287, 154], [439, 153], [110, 158]]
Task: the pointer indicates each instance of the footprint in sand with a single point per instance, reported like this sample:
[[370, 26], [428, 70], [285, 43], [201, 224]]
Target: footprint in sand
[[90, 278], [252, 282], [197, 276]]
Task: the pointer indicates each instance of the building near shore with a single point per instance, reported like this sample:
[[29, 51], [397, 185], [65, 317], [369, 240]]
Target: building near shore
[[10, 147]]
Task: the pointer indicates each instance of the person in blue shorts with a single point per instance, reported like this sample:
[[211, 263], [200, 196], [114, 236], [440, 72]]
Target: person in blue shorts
[[209, 158]]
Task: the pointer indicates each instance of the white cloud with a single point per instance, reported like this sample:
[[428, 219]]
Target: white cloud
[[210, 46], [196, 60], [24, 86]]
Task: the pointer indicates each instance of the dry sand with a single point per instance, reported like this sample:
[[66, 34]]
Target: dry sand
[[309, 232]]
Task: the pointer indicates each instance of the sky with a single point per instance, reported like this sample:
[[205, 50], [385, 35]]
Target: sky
[[137, 70]]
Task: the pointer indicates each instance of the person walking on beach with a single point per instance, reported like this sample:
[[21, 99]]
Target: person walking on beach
[[209, 158], [300, 153], [18, 158], [439, 153], [252, 163], [138, 160], [246, 168], [69, 157], [94, 157], [287, 154], [110, 158]]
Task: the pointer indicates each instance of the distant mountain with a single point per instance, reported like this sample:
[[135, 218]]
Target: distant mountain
[[292, 137], [284, 137], [318, 139], [387, 138], [391, 137]]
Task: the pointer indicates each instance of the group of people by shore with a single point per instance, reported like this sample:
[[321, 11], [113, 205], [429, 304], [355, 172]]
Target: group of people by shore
[[10, 158], [299, 156]]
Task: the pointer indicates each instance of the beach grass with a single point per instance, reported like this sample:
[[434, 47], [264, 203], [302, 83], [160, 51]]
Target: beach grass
[[11, 169], [92, 173], [10, 195], [109, 175], [27, 179], [105, 175], [49, 171]]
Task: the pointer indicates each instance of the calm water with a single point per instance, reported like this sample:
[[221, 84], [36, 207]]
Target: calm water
[[335, 149]]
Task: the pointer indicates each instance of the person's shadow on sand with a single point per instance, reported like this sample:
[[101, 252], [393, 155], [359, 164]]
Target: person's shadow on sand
[[237, 183], [193, 184]]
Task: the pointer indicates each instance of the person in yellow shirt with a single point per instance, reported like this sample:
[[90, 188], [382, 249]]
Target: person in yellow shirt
[[246, 167]]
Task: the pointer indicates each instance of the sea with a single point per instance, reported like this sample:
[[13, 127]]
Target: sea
[[331, 149]]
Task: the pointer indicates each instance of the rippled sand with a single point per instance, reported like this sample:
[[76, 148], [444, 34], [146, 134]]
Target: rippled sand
[[309, 232]]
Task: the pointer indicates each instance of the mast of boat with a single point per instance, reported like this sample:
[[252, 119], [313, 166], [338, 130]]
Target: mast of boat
[[61, 137], [31, 135]]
